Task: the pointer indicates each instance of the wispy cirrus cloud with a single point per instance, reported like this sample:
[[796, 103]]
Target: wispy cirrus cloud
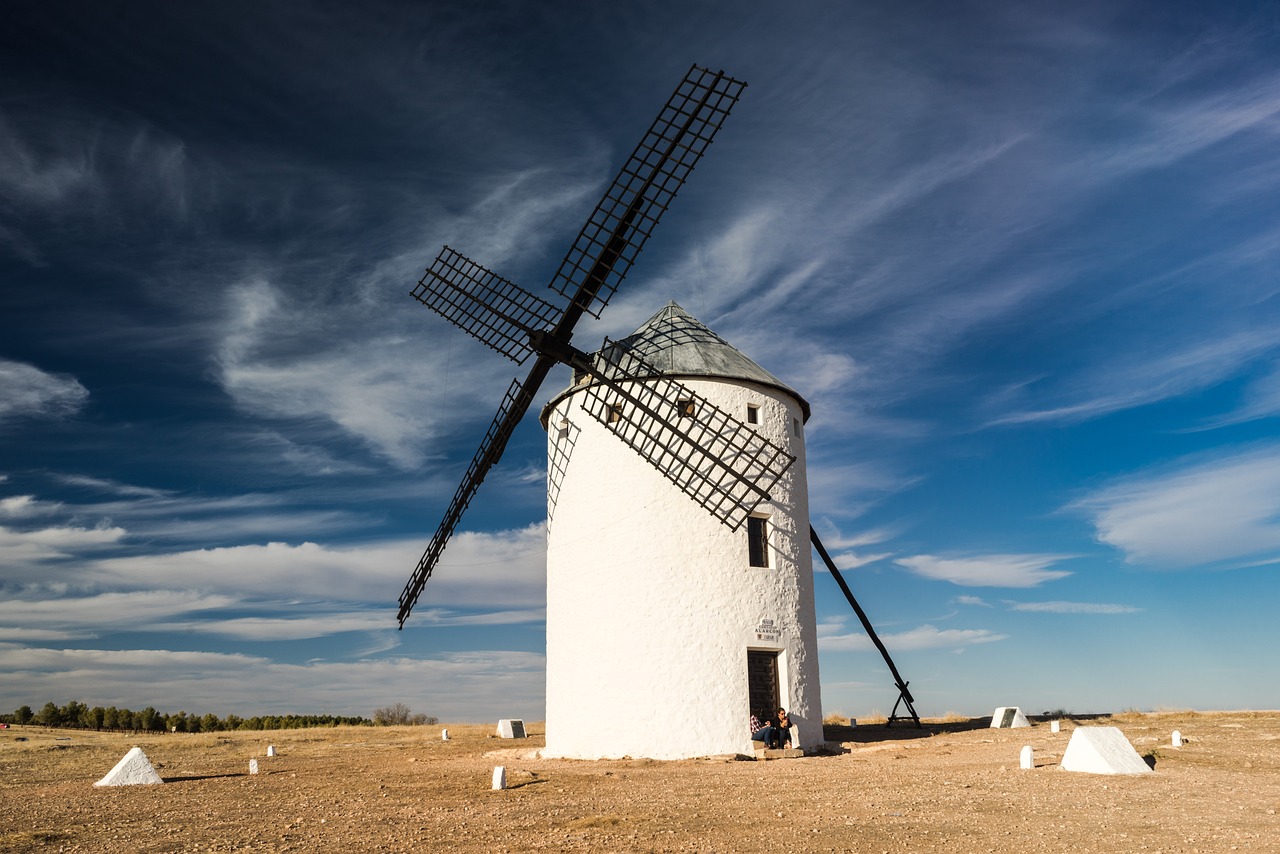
[[922, 637], [1144, 378], [1072, 608], [28, 392], [82, 616], [1208, 510], [23, 551], [480, 570], [994, 570]]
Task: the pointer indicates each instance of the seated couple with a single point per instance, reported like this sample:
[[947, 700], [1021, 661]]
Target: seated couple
[[774, 732]]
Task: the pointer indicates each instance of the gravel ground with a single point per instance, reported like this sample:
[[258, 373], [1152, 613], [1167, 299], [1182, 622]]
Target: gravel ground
[[949, 787]]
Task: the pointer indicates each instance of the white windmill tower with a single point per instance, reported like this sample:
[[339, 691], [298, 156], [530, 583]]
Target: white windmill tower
[[726, 434], [666, 627]]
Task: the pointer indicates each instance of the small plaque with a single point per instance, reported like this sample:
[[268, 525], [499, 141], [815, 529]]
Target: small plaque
[[1009, 714], [767, 630]]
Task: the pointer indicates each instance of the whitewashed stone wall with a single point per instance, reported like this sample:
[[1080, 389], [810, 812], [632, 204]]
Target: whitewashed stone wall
[[652, 604]]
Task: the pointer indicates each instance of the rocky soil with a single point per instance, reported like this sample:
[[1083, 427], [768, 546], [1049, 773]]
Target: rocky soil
[[950, 787]]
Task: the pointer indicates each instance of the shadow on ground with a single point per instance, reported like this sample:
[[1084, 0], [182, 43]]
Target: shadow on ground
[[907, 730], [193, 778]]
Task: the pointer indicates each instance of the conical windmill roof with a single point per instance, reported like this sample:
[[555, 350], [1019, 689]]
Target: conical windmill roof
[[679, 345]]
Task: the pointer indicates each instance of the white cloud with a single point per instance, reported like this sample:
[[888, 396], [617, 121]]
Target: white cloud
[[923, 637], [280, 358], [26, 391], [25, 506], [322, 621], [1073, 608], [82, 615], [456, 687], [977, 601], [499, 570], [1196, 512], [22, 549], [998, 570]]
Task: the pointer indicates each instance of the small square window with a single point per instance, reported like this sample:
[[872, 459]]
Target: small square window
[[758, 540], [753, 414], [686, 408]]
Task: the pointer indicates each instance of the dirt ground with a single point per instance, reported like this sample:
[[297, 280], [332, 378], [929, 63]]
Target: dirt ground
[[953, 787]]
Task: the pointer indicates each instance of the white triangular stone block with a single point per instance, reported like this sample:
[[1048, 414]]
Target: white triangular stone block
[[1102, 750], [134, 769], [499, 777], [1009, 716]]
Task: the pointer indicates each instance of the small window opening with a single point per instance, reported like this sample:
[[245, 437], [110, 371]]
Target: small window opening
[[615, 413], [686, 408], [795, 426], [753, 414], [758, 540]]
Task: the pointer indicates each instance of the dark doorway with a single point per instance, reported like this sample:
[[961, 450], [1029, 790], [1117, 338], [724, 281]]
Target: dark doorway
[[762, 681]]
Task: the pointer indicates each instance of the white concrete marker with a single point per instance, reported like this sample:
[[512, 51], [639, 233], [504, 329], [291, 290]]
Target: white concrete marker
[[1025, 760], [511, 728], [271, 750], [499, 777], [134, 769], [1009, 716], [1177, 738], [253, 766], [1055, 726], [444, 735], [1102, 750]]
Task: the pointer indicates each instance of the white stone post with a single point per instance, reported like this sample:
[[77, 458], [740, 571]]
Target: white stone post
[[499, 777], [1177, 738], [1025, 760], [1055, 726]]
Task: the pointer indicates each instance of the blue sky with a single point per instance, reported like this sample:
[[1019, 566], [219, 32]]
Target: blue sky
[[1022, 258]]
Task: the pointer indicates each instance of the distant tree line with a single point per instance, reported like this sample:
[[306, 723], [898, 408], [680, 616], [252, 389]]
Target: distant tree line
[[77, 715]]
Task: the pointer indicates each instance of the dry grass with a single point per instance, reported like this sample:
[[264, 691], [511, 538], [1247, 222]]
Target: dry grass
[[950, 786]]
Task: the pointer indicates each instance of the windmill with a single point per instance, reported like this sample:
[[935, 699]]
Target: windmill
[[706, 452]]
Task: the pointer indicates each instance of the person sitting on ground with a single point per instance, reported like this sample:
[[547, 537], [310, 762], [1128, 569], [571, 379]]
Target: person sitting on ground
[[782, 733], [761, 732]]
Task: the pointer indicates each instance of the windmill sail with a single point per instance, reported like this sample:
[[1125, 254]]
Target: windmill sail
[[514, 405], [496, 311], [514, 322], [711, 456], [617, 229]]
